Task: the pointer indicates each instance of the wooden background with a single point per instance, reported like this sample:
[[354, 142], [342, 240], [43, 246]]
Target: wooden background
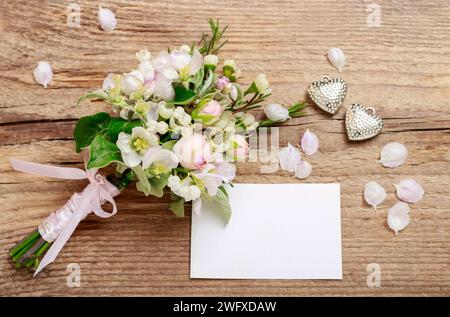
[[401, 68]]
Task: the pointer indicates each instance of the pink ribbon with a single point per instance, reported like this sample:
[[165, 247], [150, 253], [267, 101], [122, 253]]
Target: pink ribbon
[[90, 200]]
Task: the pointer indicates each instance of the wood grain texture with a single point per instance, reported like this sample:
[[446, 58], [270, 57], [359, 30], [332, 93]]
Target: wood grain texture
[[401, 68]]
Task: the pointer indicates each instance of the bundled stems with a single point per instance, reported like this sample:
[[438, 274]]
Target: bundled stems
[[27, 252]]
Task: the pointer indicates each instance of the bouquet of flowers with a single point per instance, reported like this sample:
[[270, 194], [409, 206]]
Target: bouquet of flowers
[[181, 123]]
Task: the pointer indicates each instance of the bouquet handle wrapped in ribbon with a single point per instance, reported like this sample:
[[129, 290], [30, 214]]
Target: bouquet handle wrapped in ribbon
[[56, 229]]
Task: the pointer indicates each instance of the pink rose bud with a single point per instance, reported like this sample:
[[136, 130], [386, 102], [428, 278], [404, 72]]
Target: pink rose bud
[[208, 112]]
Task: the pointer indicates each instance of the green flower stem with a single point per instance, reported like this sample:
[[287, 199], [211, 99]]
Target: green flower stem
[[27, 252]]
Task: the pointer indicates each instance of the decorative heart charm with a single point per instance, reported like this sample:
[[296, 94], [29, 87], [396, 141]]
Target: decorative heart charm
[[328, 93], [362, 123]]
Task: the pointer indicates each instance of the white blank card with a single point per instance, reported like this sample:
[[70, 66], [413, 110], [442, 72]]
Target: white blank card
[[276, 231]]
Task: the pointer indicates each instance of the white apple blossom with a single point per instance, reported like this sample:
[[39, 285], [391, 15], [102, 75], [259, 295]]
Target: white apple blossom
[[184, 188], [215, 174], [134, 147], [162, 159]]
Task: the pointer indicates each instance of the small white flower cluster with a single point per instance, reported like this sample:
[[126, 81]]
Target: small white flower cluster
[[184, 188]]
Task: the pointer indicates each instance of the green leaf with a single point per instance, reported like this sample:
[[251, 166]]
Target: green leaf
[[220, 203], [169, 145], [88, 127], [117, 125], [103, 152], [96, 94], [143, 184], [177, 205], [183, 96], [157, 184]]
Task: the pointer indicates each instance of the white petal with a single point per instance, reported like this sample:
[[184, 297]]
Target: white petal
[[409, 190], [43, 73], [107, 19], [131, 159], [393, 155], [374, 194], [179, 59], [398, 217], [336, 57], [309, 142], [303, 170], [289, 157], [108, 82], [196, 63]]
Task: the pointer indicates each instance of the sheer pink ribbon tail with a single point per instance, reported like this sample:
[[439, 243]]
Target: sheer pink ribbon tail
[[93, 196]]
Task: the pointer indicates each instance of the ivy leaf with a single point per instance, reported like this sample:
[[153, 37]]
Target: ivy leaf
[[88, 127], [103, 152], [177, 205], [183, 96], [117, 125]]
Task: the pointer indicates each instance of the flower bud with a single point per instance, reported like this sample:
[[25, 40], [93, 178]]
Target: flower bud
[[208, 112], [262, 84], [211, 61], [276, 112]]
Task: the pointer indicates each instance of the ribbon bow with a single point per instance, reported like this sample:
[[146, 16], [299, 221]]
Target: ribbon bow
[[81, 204]]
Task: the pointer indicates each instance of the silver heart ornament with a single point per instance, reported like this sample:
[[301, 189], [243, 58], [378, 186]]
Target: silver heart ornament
[[362, 123], [328, 93]]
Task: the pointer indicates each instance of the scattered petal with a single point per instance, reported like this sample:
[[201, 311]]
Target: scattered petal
[[336, 57], [409, 190], [107, 19], [374, 194], [309, 142], [289, 157], [303, 169], [393, 155], [43, 73], [398, 217]]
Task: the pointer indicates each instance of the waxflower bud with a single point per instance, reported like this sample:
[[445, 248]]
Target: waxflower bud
[[230, 70], [211, 61]]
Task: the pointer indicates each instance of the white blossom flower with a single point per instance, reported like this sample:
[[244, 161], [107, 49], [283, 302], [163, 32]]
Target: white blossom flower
[[214, 175], [132, 82], [183, 188], [134, 147], [185, 64], [143, 56], [161, 159]]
